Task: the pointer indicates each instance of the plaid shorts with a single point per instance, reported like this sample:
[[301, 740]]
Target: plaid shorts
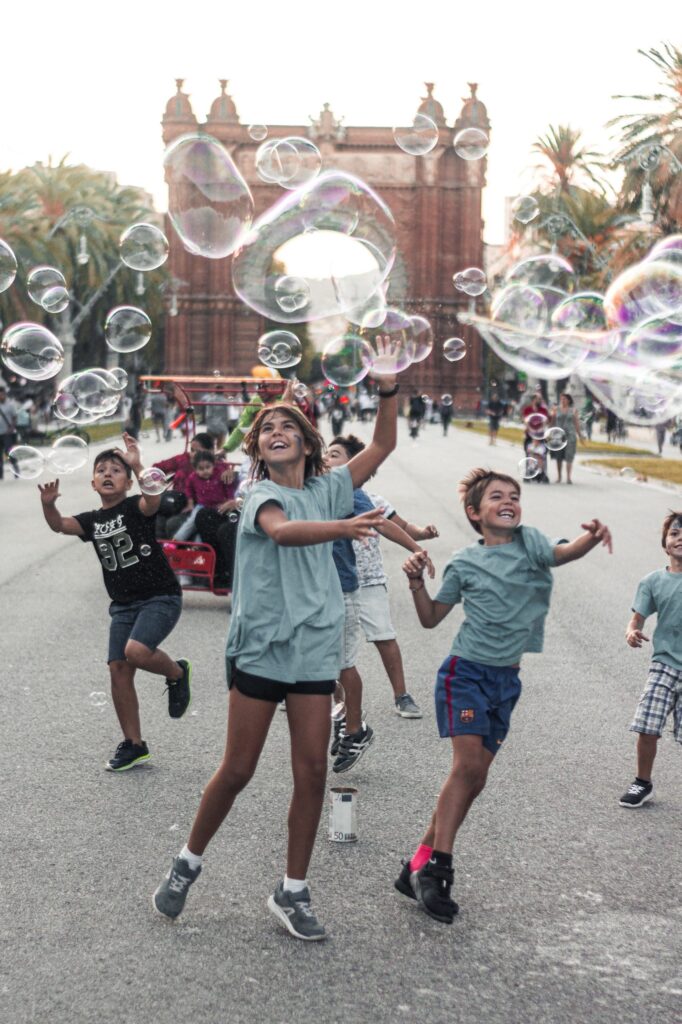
[[662, 695]]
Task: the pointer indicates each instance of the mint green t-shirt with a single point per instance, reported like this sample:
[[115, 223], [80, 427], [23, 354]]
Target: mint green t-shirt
[[505, 591], [661, 592], [287, 605]]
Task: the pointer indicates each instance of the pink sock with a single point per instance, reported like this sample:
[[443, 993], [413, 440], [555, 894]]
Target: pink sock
[[420, 858]]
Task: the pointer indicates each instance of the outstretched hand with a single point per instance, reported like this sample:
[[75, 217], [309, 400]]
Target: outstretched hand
[[428, 532], [49, 492], [364, 526], [132, 455], [600, 532], [414, 566]]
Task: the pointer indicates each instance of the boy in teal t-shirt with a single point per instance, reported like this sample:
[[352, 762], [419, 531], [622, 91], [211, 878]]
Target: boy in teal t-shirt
[[660, 592], [504, 582]]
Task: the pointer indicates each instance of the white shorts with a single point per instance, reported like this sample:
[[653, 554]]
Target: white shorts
[[351, 630], [374, 613]]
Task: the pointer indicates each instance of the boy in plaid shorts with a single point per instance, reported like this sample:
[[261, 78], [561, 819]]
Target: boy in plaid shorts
[[660, 592]]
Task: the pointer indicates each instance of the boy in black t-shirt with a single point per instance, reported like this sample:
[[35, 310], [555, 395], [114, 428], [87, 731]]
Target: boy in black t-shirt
[[146, 600]]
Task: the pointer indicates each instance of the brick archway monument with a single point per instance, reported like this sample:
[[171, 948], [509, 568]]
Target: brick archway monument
[[436, 203]]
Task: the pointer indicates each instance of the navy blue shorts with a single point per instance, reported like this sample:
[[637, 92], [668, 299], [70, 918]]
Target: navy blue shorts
[[148, 622], [476, 700]]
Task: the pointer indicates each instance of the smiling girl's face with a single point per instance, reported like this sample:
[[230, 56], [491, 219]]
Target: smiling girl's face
[[280, 440]]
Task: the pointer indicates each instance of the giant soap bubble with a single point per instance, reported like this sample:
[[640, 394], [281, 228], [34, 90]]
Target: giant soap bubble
[[649, 289], [32, 351], [209, 203], [8, 266], [334, 235]]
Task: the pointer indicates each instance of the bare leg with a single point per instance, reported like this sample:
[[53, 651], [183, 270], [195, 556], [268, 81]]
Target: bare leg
[[389, 652], [559, 465], [470, 764], [248, 721], [646, 754], [125, 700], [351, 682], [569, 470], [309, 727], [156, 661]]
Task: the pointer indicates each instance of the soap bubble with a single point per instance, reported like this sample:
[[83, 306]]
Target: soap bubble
[[209, 203], [67, 454], [555, 439], [296, 238], [656, 344], [94, 393], [391, 343], [290, 162], [529, 468], [292, 293], [544, 271], [65, 405], [521, 308], [419, 138], [471, 281], [56, 299], [41, 279], [471, 144], [645, 290], [27, 462], [153, 481], [536, 425], [347, 360], [257, 132], [119, 377], [627, 473], [279, 349], [8, 266], [127, 329], [372, 313], [300, 390], [446, 400], [32, 351], [454, 349], [668, 249], [422, 336], [525, 209], [143, 247], [98, 699]]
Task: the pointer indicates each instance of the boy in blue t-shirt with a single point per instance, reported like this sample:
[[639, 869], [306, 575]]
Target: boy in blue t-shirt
[[660, 592], [504, 582]]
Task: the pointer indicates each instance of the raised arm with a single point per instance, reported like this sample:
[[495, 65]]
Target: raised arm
[[415, 532], [149, 503], [595, 533], [297, 533], [391, 531], [58, 523], [366, 462], [430, 612]]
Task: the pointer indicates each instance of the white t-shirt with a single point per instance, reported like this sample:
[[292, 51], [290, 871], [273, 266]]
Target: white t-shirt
[[368, 559]]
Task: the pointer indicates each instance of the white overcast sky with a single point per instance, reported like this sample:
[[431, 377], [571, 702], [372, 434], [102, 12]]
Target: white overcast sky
[[92, 80]]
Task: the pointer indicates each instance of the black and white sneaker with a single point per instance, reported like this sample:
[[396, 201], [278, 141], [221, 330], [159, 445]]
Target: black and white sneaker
[[179, 690], [638, 793], [169, 898], [339, 727], [294, 912], [352, 747], [407, 707], [403, 882], [128, 754], [432, 886]]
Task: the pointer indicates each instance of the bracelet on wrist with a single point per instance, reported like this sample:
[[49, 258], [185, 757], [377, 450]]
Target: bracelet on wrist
[[389, 394]]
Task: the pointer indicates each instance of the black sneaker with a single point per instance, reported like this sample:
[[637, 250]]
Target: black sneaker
[[637, 794], [432, 886], [403, 882], [127, 755], [179, 691], [339, 727], [352, 747], [169, 898]]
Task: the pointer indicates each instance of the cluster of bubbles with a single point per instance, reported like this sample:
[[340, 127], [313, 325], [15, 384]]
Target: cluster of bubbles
[[471, 281], [420, 137], [46, 287], [279, 349], [289, 162], [625, 344], [66, 455], [89, 395]]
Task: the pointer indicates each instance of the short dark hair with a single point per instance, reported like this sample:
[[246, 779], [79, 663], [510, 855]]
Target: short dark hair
[[569, 398], [205, 440], [667, 523], [474, 485], [203, 456], [352, 444], [117, 455]]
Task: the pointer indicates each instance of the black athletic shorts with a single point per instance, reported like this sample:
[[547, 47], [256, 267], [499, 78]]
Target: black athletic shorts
[[270, 689]]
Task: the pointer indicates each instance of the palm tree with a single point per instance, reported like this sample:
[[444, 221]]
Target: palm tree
[[559, 148]]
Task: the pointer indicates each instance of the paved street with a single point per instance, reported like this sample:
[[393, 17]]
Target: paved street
[[571, 906]]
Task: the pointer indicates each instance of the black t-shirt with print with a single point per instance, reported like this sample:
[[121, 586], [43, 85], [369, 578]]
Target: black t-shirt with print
[[133, 564]]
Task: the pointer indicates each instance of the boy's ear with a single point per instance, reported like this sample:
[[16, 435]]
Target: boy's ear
[[129, 484], [472, 514]]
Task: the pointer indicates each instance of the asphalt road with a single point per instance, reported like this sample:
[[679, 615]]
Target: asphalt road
[[571, 906]]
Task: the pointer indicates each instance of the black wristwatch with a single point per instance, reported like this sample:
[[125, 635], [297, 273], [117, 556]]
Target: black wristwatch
[[389, 394]]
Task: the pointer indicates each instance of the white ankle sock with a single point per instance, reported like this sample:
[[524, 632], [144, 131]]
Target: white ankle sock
[[192, 859], [294, 884]]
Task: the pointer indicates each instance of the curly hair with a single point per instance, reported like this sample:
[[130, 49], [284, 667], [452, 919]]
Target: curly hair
[[350, 443], [667, 523], [314, 464], [474, 485]]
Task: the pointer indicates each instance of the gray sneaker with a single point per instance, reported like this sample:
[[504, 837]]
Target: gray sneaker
[[169, 898], [406, 707], [293, 911]]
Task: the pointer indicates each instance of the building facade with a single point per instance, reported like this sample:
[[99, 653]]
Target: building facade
[[436, 203]]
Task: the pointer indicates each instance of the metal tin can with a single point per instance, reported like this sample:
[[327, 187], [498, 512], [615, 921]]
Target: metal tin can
[[343, 814]]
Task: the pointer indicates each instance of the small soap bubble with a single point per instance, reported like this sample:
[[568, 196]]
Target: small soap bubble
[[233, 516], [98, 699], [68, 454], [471, 281], [120, 378], [300, 390], [153, 481], [292, 293], [27, 462], [32, 351], [627, 473], [454, 349], [41, 279], [525, 209], [279, 349], [346, 360], [555, 439], [56, 299], [143, 247], [471, 143], [536, 425], [418, 138], [257, 132], [446, 400], [145, 550], [127, 329], [528, 468], [8, 266]]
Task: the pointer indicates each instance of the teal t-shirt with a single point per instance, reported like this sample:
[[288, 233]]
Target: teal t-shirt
[[661, 592], [287, 605], [505, 591]]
